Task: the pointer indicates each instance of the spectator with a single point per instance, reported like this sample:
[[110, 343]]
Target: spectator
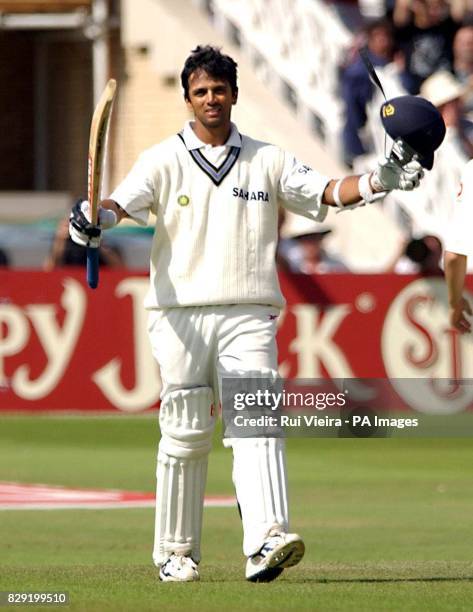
[[357, 88], [461, 10], [463, 62], [373, 9], [420, 256], [446, 93], [4, 261], [65, 252], [425, 32], [430, 210], [301, 249]]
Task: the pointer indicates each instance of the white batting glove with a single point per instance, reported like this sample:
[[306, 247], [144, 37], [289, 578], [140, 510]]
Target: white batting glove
[[390, 175], [411, 176], [107, 218], [81, 229]]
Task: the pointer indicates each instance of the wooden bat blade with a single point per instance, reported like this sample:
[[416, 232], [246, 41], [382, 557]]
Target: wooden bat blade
[[97, 144]]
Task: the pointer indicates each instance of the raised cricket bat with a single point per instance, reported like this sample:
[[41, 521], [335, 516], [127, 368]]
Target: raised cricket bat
[[97, 143]]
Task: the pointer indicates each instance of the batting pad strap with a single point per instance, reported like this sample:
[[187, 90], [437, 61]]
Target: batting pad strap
[[187, 422]]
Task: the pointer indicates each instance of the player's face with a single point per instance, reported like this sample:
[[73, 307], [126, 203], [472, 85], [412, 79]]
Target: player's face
[[210, 99]]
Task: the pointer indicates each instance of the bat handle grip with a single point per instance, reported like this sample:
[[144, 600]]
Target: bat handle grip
[[92, 267]]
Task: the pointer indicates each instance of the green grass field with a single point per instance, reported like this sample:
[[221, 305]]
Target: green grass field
[[387, 523]]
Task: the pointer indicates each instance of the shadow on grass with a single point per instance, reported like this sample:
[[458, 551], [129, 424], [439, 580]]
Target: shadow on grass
[[307, 580], [387, 580]]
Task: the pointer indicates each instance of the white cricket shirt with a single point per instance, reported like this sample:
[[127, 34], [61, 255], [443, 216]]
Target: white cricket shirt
[[431, 205], [217, 216], [459, 235]]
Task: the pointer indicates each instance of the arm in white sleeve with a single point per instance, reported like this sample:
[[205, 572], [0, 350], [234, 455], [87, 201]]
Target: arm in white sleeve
[[459, 237], [458, 245], [136, 193], [301, 189]]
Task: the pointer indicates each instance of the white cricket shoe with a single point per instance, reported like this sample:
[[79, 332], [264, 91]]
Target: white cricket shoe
[[279, 551], [179, 569]]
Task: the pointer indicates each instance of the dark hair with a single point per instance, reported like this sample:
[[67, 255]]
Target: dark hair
[[417, 251], [213, 62], [374, 24]]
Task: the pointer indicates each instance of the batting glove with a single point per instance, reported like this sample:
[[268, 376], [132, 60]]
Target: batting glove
[[81, 229], [391, 175], [402, 152]]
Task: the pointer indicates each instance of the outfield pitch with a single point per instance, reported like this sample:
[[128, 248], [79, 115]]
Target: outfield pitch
[[387, 523]]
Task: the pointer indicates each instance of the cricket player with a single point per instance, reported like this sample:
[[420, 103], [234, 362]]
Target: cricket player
[[213, 302], [458, 245]]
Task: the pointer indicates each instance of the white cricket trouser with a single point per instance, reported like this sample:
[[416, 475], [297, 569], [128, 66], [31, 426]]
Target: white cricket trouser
[[195, 347]]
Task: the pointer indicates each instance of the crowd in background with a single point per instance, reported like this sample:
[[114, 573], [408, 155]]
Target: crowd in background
[[420, 39], [418, 47]]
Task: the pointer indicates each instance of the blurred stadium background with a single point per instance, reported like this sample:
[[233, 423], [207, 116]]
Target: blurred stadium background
[[388, 522]]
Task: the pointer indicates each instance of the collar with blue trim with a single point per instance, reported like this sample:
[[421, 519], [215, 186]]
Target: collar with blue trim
[[194, 146], [192, 142]]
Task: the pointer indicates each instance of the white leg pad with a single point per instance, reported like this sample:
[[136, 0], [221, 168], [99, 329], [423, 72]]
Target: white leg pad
[[186, 438], [259, 475]]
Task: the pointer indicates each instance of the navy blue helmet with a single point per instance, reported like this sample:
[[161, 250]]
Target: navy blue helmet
[[416, 122]]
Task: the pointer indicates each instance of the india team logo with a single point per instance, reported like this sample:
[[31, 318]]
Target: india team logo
[[388, 110], [183, 200]]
